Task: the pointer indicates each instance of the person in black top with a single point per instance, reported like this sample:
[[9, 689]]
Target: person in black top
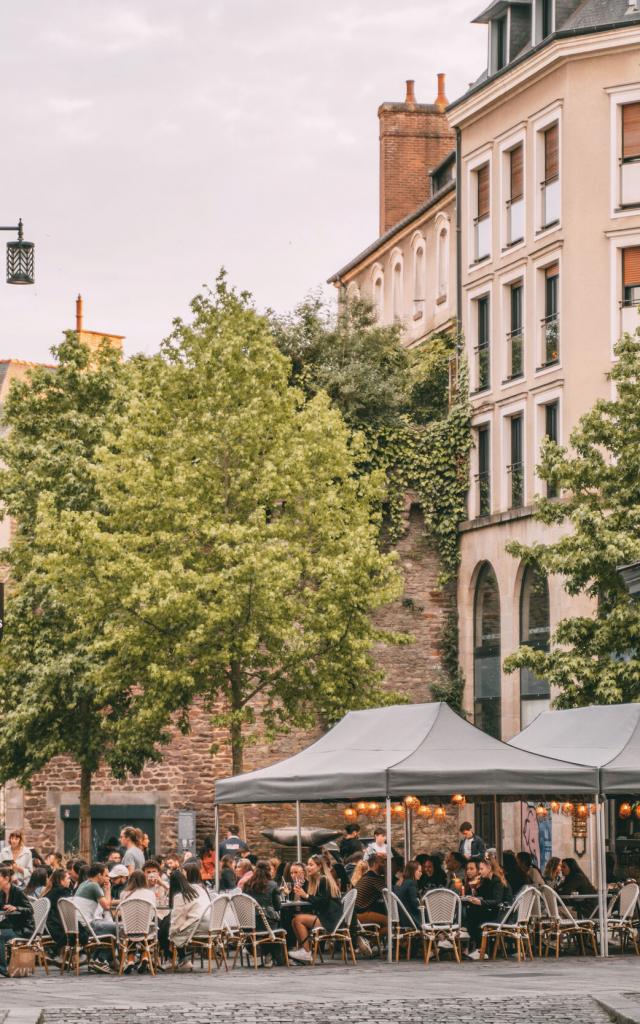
[[227, 874], [470, 844], [433, 874], [351, 843], [575, 881], [483, 906], [233, 844], [513, 872], [15, 912], [407, 893], [57, 888], [323, 895]]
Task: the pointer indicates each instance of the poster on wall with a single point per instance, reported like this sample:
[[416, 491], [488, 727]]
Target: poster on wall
[[536, 835]]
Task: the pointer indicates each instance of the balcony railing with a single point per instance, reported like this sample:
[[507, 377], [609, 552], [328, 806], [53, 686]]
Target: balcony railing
[[483, 481], [483, 238], [483, 367], [515, 354], [550, 202], [516, 475], [515, 221], [629, 182], [550, 339]]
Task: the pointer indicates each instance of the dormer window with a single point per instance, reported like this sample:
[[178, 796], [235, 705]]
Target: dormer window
[[499, 45], [544, 20]]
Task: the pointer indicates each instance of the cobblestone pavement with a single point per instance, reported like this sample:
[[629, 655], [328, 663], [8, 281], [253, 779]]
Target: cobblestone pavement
[[408, 1011]]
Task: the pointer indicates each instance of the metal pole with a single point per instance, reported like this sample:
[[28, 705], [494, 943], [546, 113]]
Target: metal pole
[[217, 831], [602, 876], [409, 849], [298, 832], [389, 880]]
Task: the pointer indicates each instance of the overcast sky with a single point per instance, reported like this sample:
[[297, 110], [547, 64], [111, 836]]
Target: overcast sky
[[148, 142]]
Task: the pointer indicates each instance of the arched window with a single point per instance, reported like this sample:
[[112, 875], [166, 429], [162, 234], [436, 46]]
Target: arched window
[[396, 291], [419, 283], [486, 660], [443, 263], [534, 631], [378, 296], [353, 292]]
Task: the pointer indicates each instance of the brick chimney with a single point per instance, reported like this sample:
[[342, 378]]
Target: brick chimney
[[414, 138]]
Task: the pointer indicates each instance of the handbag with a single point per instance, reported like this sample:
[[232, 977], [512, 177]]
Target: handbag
[[22, 962]]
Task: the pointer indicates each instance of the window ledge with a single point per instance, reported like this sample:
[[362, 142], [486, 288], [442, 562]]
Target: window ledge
[[624, 207], [480, 261], [481, 391], [418, 315], [524, 512], [441, 298], [551, 226], [547, 366], [510, 245], [513, 379]]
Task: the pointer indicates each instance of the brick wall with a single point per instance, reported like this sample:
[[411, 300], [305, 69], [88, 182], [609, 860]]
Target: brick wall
[[185, 779], [414, 138]]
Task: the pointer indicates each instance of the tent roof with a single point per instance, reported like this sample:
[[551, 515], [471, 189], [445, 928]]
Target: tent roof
[[604, 736], [423, 748]]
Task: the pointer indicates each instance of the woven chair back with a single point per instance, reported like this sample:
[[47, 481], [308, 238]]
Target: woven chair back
[[527, 905], [68, 913], [137, 917], [348, 907], [443, 907], [41, 909], [628, 899], [244, 907]]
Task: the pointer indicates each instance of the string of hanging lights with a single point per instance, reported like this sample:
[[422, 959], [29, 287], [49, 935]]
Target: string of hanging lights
[[371, 808]]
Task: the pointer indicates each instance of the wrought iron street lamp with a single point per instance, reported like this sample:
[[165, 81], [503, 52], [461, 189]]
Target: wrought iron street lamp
[[19, 258]]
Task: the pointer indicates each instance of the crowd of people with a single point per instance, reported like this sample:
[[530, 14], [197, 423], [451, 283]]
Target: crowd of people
[[295, 896]]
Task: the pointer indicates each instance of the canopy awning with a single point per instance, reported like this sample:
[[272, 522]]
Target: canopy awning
[[426, 749], [605, 736]]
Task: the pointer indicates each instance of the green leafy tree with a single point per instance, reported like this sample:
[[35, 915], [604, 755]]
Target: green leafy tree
[[50, 699], [233, 555], [594, 659]]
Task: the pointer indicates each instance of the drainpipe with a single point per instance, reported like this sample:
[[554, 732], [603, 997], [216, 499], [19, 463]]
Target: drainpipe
[[459, 236]]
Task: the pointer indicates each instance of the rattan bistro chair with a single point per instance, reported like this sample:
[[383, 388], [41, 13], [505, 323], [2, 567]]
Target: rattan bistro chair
[[558, 923], [254, 929], [400, 930], [210, 933], [38, 938], [341, 934], [441, 919], [137, 929], [73, 917], [624, 926], [515, 925]]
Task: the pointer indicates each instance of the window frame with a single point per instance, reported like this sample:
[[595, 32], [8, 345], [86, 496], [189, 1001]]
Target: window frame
[[618, 98], [485, 156], [528, 574], [507, 145], [552, 396], [540, 267], [542, 123]]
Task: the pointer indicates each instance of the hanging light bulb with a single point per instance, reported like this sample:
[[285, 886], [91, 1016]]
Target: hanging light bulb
[[582, 811], [398, 810], [541, 811], [625, 810], [637, 811], [350, 814], [459, 799], [440, 813], [373, 807], [361, 807], [555, 806], [424, 811], [411, 802], [567, 808]]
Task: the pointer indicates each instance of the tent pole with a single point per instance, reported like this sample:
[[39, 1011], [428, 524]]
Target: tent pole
[[298, 833], [409, 850], [216, 813], [389, 880], [602, 875]]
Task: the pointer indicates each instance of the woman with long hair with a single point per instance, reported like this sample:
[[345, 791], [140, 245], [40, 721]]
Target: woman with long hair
[[483, 905], [498, 871], [20, 857], [407, 893], [433, 874], [189, 903], [575, 882], [359, 870], [244, 871], [552, 874], [513, 872], [37, 882], [137, 887], [264, 890], [323, 894], [227, 874], [58, 887]]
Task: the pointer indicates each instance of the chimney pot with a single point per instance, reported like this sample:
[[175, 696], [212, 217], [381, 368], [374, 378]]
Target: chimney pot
[[79, 314], [411, 95], [441, 98]]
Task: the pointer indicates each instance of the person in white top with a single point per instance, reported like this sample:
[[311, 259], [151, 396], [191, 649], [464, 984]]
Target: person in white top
[[138, 889], [378, 846], [20, 856], [189, 903]]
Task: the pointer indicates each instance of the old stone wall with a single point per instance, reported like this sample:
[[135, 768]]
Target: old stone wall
[[185, 778]]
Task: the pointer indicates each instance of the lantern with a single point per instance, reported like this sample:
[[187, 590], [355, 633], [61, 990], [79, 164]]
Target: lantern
[[567, 808], [555, 806], [424, 811], [625, 810], [350, 814], [411, 803], [361, 807], [373, 807], [398, 810], [541, 811], [440, 813], [19, 259], [459, 799], [637, 810], [582, 811]]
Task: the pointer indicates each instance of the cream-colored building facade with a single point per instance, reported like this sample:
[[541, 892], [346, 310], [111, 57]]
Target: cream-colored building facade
[[548, 149]]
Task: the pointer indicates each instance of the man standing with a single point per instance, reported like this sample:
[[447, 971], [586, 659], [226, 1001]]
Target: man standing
[[471, 845], [134, 857], [233, 845], [350, 843]]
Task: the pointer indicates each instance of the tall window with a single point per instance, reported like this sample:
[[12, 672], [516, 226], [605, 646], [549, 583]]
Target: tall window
[[443, 263], [546, 13], [630, 160], [551, 431], [396, 289], [535, 632], [499, 43], [418, 281], [484, 470], [483, 349], [515, 338], [631, 276], [378, 297], [483, 214], [486, 661], [551, 183], [551, 319], [515, 469], [515, 202]]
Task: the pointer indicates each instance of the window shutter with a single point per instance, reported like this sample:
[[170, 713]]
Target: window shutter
[[517, 173], [630, 130], [631, 266], [551, 153], [483, 191], [552, 271]]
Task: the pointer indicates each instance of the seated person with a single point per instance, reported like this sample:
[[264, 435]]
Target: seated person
[[156, 883], [483, 906], [57, 888], [455, 863], [244, 871], [208, 866], [227, 874], [95, 892], [350, 843], [552, 874], [433, 874], [472, 878], [295, 874], [138, 887], [575, 881], [323, 893], [118, 875], [189, 903], [18, 915], [529, 868], [370, 906], [407, 893], [513, 872]]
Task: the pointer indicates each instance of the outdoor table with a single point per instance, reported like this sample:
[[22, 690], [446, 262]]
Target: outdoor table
[[288, 910]]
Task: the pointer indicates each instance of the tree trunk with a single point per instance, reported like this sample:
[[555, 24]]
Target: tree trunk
[[85, 812], [237, 741]]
